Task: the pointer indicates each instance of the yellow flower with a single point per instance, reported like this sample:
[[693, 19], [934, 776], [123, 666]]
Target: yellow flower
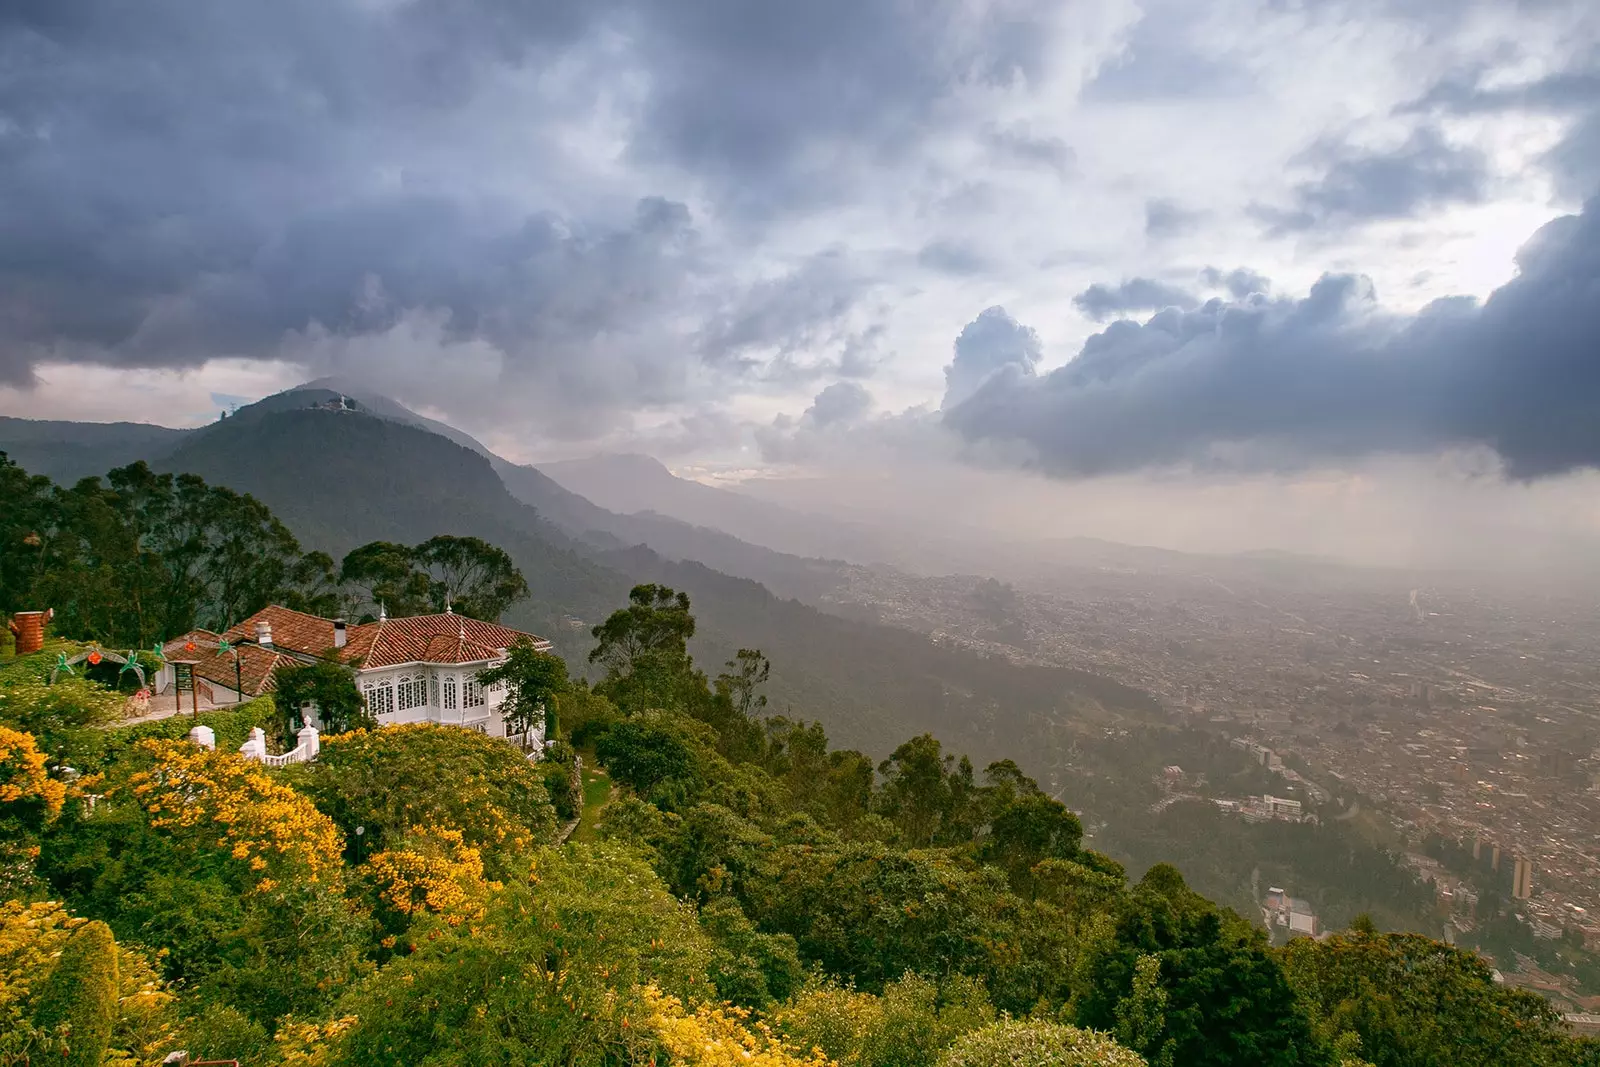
[[23, 775]]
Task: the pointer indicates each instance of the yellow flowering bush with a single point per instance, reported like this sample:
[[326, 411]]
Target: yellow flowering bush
[[31, 938], [23, 777], [311, 1044], [432, 870], [223, 801], [391, 780], [717, 1037]]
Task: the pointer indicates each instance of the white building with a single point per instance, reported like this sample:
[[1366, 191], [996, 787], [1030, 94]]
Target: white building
[[418, 669]]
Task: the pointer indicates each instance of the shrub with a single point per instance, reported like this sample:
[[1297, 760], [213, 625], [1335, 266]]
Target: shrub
[[78, 1001], [1013, 1043]]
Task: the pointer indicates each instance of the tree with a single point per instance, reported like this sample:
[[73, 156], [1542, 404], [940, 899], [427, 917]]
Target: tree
[[734, 705], [79, 999], [552, 974], [747, 672], [1015, 1043], [314, 586], [915, 794], [644, 649], [1227, 1000], [533, 681], [385, 782], [26, 514], [1413, 1002], [1027, 831], [649, 751], [1142, 1016], [331, 687], [384, 573], [470, 576]]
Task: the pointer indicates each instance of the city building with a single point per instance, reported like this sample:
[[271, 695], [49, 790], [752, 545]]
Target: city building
[[1522, 879]]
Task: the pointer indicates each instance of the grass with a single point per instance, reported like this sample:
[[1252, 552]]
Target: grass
[[596, 792]]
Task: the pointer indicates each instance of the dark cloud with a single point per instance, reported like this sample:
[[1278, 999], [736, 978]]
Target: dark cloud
[[182, 183], [1168, 218], [1329, 377], [1241, 282], [993, 343], [755, 96], [1356, 186], [1100, 301]]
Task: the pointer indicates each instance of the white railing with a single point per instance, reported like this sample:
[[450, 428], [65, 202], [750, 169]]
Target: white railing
[[255, 747]]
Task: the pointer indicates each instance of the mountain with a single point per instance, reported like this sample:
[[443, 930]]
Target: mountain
[[68, 451], [632, 483], [341, 478], [788, 575]]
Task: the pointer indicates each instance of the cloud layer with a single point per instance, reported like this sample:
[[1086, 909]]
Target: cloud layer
[[1280, 382]]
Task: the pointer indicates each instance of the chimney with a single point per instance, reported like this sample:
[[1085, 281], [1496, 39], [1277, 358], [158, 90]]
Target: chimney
[[339, 635], [264, 633], [28, 626]]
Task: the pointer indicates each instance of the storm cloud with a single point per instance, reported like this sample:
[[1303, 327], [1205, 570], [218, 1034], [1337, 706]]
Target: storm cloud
[[1329, 376], [181, 184]]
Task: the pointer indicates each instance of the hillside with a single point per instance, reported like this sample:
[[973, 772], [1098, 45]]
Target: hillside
[[342, 479], [67, 451], [634, 483]]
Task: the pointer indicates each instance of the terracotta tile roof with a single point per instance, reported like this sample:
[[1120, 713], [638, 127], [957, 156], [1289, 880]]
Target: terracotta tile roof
[[294, 631], [257, 665], [446, 638]]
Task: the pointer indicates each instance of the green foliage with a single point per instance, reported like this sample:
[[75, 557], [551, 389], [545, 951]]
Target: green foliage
[[66, 718], [909, 1025], [644, 650], [384, 573], [550, 975], [1413, 1002], [144, 555], [78, 1001], [388, 781], [221, 1032], [655, 754], [1038, 1044], [470, 576], [1226, 999], [583, 714], [331, 687], [558, 770], [748, 967], [533, 681]]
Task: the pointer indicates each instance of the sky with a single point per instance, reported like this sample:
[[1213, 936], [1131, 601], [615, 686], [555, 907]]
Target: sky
[[1246, 273]]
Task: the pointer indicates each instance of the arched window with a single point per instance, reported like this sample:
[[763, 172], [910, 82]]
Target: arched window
[[472, 693], [449, 692], [411, 691], [433, 688]]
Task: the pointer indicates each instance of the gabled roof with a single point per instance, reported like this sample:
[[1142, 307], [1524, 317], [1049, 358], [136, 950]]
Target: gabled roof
[[442, 638], [256, 667], [293, 631]]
